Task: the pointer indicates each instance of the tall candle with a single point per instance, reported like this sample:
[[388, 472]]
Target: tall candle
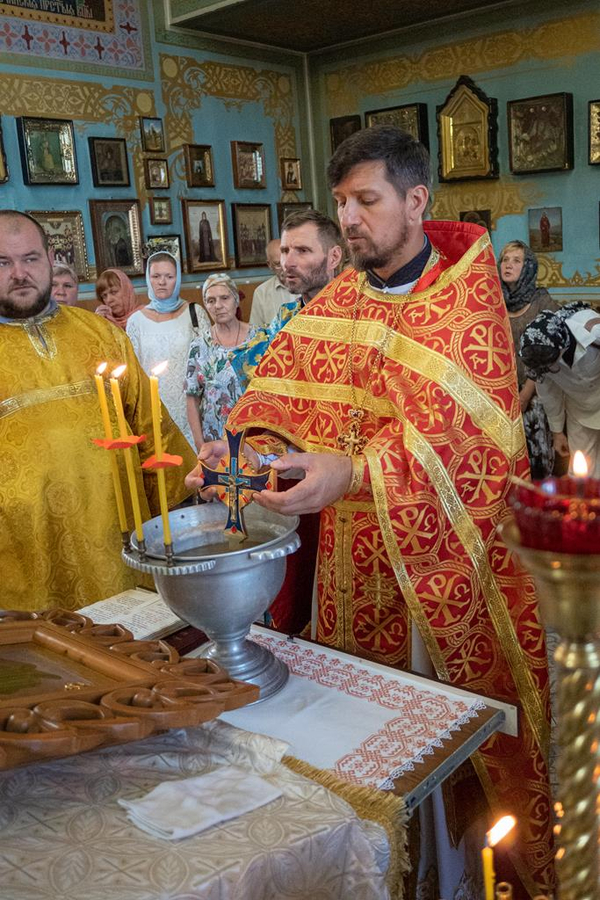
[[495, 834], [487, 858], [135, 500], [160, 473], [99, 379]]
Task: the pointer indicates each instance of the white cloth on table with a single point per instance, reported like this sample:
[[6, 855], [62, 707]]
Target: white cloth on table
[[178, 809], [155, 342]]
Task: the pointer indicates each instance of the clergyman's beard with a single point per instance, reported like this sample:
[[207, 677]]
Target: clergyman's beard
[[375, 258], [11, 310]]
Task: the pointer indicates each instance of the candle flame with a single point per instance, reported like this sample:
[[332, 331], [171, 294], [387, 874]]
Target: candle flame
[[580, 466], [160, 368], [116, 373], [500, 830], [101, 368]]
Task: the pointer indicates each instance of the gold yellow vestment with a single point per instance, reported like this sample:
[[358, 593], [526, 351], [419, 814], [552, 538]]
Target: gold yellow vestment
[[60, 542]]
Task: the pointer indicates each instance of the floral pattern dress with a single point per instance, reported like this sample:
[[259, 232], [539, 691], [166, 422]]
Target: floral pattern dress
[[212, 378]]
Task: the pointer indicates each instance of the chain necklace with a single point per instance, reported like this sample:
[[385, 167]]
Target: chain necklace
[[237, 337], [351, 441]]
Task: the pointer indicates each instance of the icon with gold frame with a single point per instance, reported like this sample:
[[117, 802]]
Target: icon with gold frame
[[467, 133], [66, 237], [594, 132]]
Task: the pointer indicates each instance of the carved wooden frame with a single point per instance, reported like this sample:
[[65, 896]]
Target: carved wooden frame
[[112, 688]]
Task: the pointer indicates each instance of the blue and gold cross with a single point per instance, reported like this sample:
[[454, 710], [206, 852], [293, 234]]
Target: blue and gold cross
[[236, 482]]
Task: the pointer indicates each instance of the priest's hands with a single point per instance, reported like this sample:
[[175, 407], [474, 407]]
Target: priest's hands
[[327, 478], [210, 454]]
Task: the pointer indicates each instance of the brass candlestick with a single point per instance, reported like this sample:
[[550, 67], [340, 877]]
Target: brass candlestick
[[569, 593]]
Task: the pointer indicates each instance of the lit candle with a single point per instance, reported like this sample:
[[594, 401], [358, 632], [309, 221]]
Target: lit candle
[[135, 501], [158, 451], [580, 470], [495, 834], [99, 379]]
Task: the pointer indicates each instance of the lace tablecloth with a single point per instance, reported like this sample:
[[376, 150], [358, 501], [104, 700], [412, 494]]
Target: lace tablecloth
[[64, 837]]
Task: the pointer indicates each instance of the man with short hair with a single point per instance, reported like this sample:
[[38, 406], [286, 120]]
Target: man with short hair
[[271, 294], [397, 385], [60, 541]]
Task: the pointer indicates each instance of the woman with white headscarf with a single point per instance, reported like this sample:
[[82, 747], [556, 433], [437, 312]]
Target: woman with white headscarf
[[213, 386], [163, 330]]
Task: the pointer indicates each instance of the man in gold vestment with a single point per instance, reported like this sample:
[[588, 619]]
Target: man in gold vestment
[[397, 385], [60, 541]]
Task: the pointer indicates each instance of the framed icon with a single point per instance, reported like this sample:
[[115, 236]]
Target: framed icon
[[3, 163], [157, 173], [117, 235], [286, 209], [66, 237], [199, 165], [251, 232], [108, 157], [248, 165], [291, 175], [341, 128], [481, 217], [153, 136], [47, 151], [205, 234], [412, 117], [594, 132], [540, 134], [161, 212], [545, 229]]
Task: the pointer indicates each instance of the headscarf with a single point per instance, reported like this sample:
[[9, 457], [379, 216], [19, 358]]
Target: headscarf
[[546, 338], [130, 304], [169, 304], [522, 293], [221, 279]]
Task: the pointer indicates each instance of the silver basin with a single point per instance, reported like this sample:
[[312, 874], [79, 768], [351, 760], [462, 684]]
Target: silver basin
[[221, 586]]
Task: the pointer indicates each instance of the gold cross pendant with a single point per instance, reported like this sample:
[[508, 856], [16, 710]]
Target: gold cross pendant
[[351, 441]]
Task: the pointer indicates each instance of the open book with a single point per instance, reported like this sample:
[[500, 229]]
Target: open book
[[143, 612]]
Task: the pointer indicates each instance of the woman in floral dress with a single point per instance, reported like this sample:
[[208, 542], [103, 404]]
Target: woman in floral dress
[[212, 385]]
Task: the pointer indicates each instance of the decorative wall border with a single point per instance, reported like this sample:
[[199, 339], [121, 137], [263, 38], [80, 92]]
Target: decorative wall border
[[571, 36]]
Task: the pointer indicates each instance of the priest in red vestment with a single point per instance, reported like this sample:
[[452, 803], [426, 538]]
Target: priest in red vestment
[[396, 388]]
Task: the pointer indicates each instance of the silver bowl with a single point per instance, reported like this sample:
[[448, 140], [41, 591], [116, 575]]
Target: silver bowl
[[222, 586]]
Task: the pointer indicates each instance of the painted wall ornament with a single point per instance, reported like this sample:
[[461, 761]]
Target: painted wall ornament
[[467, 133]]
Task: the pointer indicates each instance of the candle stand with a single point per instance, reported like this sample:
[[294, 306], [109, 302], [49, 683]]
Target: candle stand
[[569, 594], [220, 585]]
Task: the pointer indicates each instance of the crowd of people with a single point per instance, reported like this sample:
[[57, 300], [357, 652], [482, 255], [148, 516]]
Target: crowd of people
[[376, 394]]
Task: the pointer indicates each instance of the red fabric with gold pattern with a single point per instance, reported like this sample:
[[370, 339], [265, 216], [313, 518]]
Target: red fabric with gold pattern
[[435, 377]]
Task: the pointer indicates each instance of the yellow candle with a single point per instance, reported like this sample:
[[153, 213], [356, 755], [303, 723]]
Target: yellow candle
[[135, 500], [487, 857], [160, 473], [108, 435]]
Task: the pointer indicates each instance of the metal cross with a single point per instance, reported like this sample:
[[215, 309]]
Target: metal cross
[[351, 441], [233, 478]]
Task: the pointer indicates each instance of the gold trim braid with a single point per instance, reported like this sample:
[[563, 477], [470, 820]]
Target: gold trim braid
[[471, 539], [44, 395], [391, 545], [384, 807]]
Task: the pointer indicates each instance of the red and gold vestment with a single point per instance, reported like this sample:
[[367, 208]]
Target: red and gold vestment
[[434, 374]]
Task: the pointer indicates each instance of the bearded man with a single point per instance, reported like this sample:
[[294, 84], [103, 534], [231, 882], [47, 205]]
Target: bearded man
[[397, 383], [60, 542]]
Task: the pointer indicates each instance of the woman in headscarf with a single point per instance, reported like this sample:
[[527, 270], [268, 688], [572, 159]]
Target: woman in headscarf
[[163, 331], [117, 297], [213, 385], [518, 268]]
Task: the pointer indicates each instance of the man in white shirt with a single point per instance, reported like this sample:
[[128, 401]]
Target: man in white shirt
[[273, 293], [561, 351]]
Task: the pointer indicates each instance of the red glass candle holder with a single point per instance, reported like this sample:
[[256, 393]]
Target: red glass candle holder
[[558, 514]]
